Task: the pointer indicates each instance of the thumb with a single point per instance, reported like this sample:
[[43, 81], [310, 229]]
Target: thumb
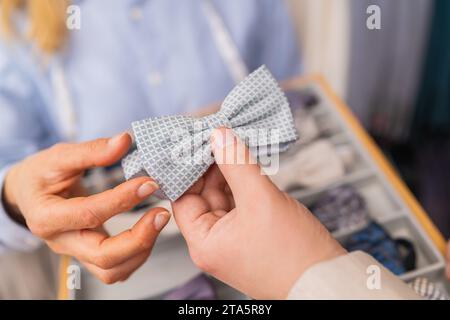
[[96, 153], [239, 168]]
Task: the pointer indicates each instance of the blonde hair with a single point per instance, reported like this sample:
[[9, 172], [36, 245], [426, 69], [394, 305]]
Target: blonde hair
[[47, 22]]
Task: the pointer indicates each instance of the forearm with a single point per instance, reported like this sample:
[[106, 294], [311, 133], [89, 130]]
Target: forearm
[[13, 233], [352, 276], [9, 204]]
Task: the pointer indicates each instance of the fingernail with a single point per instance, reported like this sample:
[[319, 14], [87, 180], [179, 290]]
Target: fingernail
[[114, 140], [222, 138], [161, 220], [147, 189]]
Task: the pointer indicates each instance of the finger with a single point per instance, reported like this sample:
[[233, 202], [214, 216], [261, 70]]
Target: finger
[[141, 237], [213, 190], [214, 179], [106, 252], [62, 215], [96, 153], [120, 272], [231, 201], [217, 199], [189, 207], [239, 168], [229, 194], [197, 187], [196, 212], [187, 211]]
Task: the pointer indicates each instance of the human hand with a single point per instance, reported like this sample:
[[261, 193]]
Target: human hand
[[41, 189], [244, 231]]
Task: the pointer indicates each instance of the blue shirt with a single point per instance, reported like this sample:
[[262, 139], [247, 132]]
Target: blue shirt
[[130, 60]]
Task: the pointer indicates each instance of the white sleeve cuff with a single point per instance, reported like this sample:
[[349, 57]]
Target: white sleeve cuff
[[352, 276], [12, 235]]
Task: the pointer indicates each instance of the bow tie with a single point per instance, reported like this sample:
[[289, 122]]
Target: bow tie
[[176, 151]]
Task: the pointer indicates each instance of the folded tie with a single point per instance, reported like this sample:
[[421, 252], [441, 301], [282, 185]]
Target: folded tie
[[341, 208], [317, 164], [398, 255], [176, 150]]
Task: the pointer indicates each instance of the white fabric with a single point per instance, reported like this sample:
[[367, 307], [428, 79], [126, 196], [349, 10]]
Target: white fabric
[[316, 164], [306, 126], [347, 277]]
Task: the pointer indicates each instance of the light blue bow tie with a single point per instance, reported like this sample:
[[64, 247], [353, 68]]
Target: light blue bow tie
[[175, 150]]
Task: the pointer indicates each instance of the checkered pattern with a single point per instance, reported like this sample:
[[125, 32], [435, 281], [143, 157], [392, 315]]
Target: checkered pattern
[[176, 150]]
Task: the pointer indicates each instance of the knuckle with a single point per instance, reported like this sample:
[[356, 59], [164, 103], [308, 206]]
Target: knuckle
[[120, 201], [108, 277], [144, 242], [39, 229], [95, 145], [91, 146], [103, 261], [90, 219], [123, 198], [124, 206]]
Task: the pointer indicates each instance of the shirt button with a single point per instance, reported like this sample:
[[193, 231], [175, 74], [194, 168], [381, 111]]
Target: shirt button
[[154, 78], [136, 13]]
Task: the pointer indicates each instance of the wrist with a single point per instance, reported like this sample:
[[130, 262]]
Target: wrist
[[9, 199]]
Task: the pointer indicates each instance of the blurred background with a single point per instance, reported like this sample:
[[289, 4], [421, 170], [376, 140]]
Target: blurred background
[[395, 79]]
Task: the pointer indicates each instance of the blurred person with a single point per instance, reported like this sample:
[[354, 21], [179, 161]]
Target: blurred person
[[61, 91], [272, 248]]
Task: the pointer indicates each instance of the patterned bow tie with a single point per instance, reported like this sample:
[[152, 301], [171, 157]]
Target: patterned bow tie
[[175, 150]]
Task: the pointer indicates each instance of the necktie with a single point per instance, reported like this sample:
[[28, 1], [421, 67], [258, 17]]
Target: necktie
[[176, 151], [198, 288], [317, 164], [397, 255], [341, 208]]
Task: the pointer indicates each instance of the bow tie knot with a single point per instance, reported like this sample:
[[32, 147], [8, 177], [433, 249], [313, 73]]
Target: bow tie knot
[[216, 120]]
